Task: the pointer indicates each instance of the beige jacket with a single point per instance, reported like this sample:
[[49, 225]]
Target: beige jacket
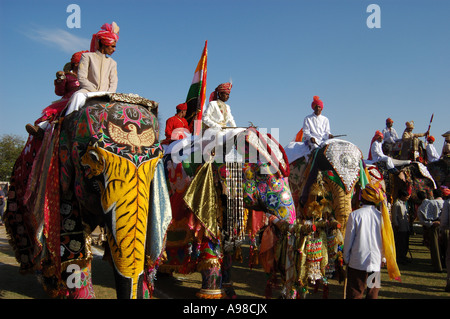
[[97, 73]]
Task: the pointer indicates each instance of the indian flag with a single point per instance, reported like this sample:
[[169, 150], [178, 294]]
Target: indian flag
[[197, 93]]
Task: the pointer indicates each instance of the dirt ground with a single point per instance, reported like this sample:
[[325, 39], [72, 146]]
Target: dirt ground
[[418, 279]]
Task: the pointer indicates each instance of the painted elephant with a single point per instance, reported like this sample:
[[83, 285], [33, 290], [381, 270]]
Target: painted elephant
[[413, 178], [440, 170], [217, 181], [323, 184], [99, 166]]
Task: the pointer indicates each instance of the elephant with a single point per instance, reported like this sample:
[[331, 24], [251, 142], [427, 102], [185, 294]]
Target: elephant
[[323, 183], [440, 171], [98, 166], [221, 183]]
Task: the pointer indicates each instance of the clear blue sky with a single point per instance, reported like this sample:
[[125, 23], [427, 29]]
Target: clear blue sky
[[278, 53]]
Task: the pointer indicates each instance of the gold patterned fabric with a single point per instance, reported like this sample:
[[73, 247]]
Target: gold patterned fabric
[[201, 199]]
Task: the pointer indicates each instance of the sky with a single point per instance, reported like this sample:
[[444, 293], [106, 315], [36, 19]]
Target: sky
[[366, 65]]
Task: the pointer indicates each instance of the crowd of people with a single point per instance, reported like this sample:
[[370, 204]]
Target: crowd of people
[[365, 250]]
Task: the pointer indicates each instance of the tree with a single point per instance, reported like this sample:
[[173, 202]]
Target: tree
[[10, 148]]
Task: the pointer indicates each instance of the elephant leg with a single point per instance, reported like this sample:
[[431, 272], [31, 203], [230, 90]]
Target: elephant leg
[[211, 283], [227, 283]]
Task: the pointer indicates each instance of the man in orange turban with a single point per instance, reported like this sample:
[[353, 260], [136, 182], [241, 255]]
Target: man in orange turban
[[432, 154]]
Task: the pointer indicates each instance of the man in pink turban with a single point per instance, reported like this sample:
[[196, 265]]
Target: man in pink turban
[[218, 114], [97, 70], [316, 127]]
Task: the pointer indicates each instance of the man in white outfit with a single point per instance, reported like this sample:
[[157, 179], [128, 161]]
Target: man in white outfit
[[316, 127], [432, 154], [218, 114]]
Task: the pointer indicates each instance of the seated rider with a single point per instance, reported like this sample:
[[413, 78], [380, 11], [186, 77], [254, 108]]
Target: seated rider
[[316, 127], [218, 113], [376, 154], [390, 136], [177, 127], [432, 154], [66, 84], [410, 140], [97, 71]]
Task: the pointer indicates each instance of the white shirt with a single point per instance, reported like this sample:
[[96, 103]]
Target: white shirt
[[378, 155], [317, 127], [432, 154], [363, 248], [214, 118], [390, 135]]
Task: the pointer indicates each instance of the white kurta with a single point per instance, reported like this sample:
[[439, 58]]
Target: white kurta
[[317, 127], [378, 155], [432, 154], [214, 118], [390, 135]]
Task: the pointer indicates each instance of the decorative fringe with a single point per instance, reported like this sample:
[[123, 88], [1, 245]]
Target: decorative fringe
[[211, 294]]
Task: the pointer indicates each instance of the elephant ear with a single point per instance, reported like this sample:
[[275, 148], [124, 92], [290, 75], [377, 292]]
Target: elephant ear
[[344, 157]]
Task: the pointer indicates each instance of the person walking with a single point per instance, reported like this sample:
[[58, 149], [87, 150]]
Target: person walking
[[369, 244]]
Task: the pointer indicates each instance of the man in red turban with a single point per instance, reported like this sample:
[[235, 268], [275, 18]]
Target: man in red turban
[[97, 70], [316, 127], [66, 84], [177, 127], [432, 154], [218, 114]]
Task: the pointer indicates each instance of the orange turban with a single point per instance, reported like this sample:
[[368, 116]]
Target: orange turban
[[389, 120], [108, 34], [430, 139]]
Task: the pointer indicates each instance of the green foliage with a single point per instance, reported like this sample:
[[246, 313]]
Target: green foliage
[[10, 148]]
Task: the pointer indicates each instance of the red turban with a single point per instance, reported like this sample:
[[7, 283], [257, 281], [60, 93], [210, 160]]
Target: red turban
[[77, 56], [224, 87], [316, 101], [430, 139], [445, 191], [108, 34], [374, 138], [389, 120], [182, 107]]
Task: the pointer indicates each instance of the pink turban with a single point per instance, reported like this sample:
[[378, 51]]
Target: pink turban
[[108, 34], [224, 87], [316, 101]]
